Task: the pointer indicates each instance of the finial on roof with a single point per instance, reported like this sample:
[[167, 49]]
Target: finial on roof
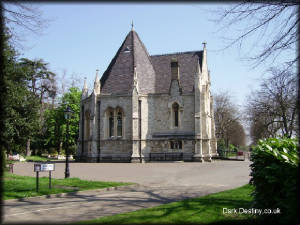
[[132, 25], [84, 90], [85, 85], [204, 44], [97, 74], [97, 84]]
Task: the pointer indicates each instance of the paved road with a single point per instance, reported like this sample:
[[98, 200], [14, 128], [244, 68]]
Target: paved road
[[159, 183]]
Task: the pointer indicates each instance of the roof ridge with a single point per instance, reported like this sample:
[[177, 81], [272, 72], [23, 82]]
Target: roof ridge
[[177, 53]]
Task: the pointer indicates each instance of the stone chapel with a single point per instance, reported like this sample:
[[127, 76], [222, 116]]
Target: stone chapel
[[147, 108]]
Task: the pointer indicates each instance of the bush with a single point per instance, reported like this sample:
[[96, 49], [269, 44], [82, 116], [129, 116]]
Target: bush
[[275, 178], [52, 151], [73, 149]]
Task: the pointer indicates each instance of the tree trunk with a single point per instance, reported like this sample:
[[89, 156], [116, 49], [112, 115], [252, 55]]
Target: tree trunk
[[28, 152], [60, 147]]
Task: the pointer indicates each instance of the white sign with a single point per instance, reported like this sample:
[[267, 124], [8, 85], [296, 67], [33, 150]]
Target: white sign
[[43, 167]]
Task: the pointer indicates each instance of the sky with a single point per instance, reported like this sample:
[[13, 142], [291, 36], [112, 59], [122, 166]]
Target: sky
[[83, 37]]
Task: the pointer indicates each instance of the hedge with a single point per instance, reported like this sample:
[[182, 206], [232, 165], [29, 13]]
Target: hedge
[[274, 174]]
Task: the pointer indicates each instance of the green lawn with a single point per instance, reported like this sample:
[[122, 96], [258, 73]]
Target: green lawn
[[16, 186], [203, 210], [36, 158]]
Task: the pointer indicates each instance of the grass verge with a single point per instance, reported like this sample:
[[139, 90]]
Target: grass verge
[[203, 210], [16, 186], [36, 158]]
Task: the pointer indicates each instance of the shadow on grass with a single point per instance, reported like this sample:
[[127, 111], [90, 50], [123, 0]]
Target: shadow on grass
[[204, 210]]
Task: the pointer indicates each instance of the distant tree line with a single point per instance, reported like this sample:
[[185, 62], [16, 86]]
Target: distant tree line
[[230, 132]]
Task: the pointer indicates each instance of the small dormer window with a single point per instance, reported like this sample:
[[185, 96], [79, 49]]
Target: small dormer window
[[127, 49]]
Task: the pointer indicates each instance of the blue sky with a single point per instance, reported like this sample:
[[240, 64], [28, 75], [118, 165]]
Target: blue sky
[[84, 37]]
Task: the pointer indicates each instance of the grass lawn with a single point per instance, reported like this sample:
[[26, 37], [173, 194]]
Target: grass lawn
[[35, 158], [16, 186], [203, 210]]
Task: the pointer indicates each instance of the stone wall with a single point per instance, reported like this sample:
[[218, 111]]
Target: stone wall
[[156, 115]]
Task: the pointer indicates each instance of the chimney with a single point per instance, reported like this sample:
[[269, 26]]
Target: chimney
[[175, 69]]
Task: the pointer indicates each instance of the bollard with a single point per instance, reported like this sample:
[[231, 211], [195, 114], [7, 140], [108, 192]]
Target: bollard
[[11, 168]]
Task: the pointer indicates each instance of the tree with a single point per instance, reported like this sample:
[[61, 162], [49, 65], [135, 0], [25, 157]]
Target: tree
[[273, 109], [72, 99], [272, 24], [236, 134], [40, 78], [55, 134], [20, 18], [41, 83], [227, 121], [54, 126], [20, 105]]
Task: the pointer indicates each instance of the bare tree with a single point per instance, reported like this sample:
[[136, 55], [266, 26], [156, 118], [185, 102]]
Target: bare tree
[[272, 24], [236, 134], [21, 18], [273, 109], [227, 120]]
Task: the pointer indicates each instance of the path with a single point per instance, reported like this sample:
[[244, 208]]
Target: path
[[159, 183]]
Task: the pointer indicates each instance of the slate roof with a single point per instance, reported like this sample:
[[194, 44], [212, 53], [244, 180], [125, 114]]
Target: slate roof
[[153, 72], [187, 62], [118, 76]]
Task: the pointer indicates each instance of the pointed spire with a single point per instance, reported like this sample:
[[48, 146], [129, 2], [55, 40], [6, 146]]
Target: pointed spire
[[96, 79], [84, 90], [134, 53], [204, 62], [97, 83], [84, 85], [132, 28]]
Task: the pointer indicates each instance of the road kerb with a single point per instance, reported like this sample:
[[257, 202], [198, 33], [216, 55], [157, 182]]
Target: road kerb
[[59, 195]]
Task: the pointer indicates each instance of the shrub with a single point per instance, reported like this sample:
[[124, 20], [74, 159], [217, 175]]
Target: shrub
[[52, 151], [275, 177]]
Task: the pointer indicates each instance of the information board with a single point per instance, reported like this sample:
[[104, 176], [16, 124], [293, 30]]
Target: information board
[[43, 167]]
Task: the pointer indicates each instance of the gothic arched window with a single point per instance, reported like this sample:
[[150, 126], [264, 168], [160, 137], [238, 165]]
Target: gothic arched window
[[119, 124], [111, 124], [176, 114]]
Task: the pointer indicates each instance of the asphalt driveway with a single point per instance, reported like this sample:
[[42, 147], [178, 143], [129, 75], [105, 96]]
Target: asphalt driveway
[[158, 183]]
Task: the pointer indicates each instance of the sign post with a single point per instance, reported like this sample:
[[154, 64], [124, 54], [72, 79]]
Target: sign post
[[50, 179], [37, 181], [43, 167]]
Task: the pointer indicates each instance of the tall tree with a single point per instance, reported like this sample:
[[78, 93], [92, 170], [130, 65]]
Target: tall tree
[[56, 123], [40, 78], [21, 18], [41, 83], [236, 134], [274, 108], [20, 105], [72, 99], [272, 25], [227, 120]]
